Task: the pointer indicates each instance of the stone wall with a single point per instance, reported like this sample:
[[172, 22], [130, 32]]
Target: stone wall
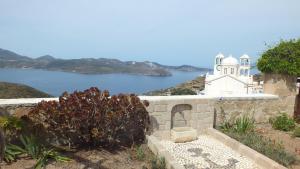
[[19, 107], [198, 112], [283, 86], [259, 108]]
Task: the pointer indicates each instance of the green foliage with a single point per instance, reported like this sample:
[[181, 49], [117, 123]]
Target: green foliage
[[284, 58], [140, 154], [182, 91], [12, 152], [226, 126], [32, 148], [296, 132], [92, 118], [158, 163], [265, 146], [49, 154], [243, 130], [240, 125], [243, 125], [282, 122], [10, 123], [11, 126]]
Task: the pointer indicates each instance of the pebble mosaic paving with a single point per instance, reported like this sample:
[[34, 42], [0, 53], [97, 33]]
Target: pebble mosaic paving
[[207, 153]]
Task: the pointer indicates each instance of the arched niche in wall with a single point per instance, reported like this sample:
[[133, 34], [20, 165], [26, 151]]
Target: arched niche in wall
[[180, 115]]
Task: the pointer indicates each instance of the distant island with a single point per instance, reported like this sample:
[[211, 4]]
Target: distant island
[[14, 90], [9, 59]]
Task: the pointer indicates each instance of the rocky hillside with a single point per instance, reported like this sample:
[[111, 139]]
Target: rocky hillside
[[13, 90], [10, 59], [195, 85]]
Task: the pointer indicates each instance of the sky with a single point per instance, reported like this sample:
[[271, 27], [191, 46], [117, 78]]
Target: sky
[[172, 32]]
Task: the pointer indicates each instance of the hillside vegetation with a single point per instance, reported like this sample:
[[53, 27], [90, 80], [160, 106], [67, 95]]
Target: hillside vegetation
[[187, 88], [13, 90]]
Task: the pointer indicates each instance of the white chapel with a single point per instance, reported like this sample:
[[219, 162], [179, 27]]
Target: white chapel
[[230, 76]]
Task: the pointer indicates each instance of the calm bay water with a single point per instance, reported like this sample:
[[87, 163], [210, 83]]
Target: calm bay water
[[55, 83]]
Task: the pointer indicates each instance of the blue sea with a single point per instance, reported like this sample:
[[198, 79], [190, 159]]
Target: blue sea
[[55, 83]]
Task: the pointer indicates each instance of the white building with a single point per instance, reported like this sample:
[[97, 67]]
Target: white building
[[230, 76]]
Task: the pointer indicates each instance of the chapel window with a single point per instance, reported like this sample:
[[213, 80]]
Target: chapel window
[[246, 72], [232, 71], [217, 61], [225, 71], [242, 72]]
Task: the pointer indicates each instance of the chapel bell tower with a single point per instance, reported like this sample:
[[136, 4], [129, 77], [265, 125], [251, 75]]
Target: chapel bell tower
[[218, 62], [245, 65]]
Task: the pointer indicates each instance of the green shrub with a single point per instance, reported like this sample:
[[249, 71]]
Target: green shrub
[[140, 154], [92, 118], [10, 123], [11, 126], [296, 132], [226, 126], [283, 122], [12, 152], [49, 154], [265, 146], [182, 91], [158, 163], [243, 124], [33, 149], [31, 146], [284, 58]]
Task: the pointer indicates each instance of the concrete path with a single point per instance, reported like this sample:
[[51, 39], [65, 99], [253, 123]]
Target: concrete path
[[207, 153]]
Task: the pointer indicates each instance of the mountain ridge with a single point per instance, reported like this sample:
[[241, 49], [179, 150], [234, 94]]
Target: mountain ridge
[[9, 59]]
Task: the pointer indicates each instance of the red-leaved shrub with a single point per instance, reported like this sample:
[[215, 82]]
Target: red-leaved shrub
[[92, 117]]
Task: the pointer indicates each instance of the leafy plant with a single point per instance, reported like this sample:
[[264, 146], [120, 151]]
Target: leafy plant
[[31, 146], [296, 132], [49, 154], [282, 122], [158, 163], [11, 125], [284, 58], [243, 124], [12, 152], [92, 117], [226, 126], [140, 154]]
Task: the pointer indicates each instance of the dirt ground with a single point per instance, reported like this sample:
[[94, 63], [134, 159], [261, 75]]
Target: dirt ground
[[126, 158], [291, 144], [93, 159]]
